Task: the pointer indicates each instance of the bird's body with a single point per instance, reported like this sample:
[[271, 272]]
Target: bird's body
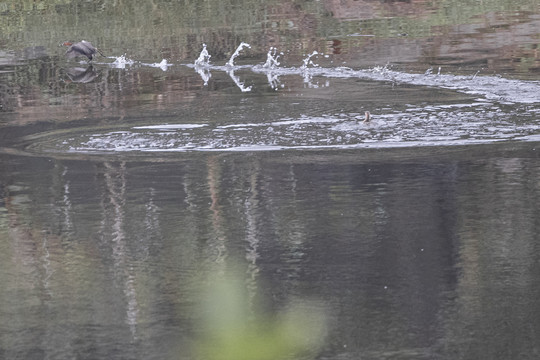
[[367, 117], [82, 48]]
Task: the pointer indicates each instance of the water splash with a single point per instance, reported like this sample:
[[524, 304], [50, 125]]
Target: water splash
[[307, 61], [493, 88], [238, 83], [201, 65], [204, 58], [121, 61], [272, 58], [163, 65], [240, 47], [484, 119], [204, 73], [306, 73], [273, 80]]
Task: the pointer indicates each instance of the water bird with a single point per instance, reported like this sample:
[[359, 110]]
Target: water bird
[[82, 48], [367, 117]]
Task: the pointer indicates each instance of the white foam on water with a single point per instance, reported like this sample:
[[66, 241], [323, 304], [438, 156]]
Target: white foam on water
[[120, 62], [434, 125], [306, 120], [491, 88], [170, 126], [163, 65]]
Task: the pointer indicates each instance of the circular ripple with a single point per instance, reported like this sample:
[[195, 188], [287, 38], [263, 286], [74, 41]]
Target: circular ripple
[[458, 124]]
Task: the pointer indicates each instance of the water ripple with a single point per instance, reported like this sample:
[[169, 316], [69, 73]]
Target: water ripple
[[458, 124]]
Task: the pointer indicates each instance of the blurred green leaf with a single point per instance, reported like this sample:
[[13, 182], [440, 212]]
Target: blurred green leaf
[[234, 329]]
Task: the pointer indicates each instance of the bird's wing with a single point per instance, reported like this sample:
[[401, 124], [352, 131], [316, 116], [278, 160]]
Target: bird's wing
[[81, 48], [71, 53]]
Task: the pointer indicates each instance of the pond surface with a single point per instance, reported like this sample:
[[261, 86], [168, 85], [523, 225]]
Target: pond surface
[[219, 135]]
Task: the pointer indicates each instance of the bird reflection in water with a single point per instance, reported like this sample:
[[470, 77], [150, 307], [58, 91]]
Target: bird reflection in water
[[82, 75]]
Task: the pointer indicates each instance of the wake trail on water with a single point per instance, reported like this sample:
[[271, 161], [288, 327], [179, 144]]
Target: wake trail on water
[[491, 88], [486, 118], [433, 125]]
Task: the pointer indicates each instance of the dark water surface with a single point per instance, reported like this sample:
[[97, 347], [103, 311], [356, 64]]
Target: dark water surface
[[417, 254], [126, 183]]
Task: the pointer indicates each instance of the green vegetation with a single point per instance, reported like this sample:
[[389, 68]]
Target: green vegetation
[[148, 29], [236, 329]]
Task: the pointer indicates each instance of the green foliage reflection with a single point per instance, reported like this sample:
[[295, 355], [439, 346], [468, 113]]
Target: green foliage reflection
[[234, 329]]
